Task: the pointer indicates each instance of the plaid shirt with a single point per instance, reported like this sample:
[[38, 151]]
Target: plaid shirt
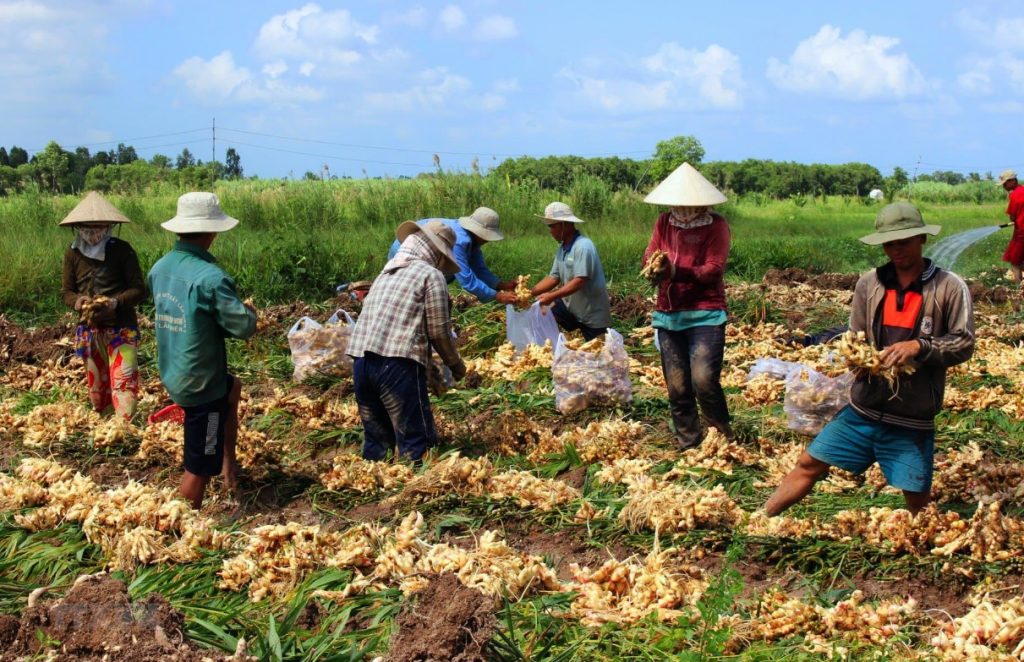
[[405, 312]]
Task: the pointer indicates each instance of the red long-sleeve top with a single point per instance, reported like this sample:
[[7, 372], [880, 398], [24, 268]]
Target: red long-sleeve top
[[1015, 210], [699, 255]]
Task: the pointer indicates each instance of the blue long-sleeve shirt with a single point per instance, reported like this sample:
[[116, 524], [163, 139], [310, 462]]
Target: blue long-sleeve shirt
[[473, 275]]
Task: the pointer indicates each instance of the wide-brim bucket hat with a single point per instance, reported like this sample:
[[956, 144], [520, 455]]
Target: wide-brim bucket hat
[[94, 208], [199, 212], [440, 237], [483, 223], [685, 187], [1006, 176], [559, 212], [899, 220]]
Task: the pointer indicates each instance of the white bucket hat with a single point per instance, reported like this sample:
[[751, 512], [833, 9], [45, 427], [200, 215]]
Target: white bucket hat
[[94, 208], [440, 237], [1006, 176], [559, 212], [483, 222], [199, 212], [685, 187]]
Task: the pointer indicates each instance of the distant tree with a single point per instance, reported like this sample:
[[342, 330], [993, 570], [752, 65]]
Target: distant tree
[[4, 159], [185, 159], [232, 164], [670, 154], [161, 161], [899, 178], [126, 154], [81, 161], [102, 158], [17, 157], [311, 176], [974, 177], [52, 166]]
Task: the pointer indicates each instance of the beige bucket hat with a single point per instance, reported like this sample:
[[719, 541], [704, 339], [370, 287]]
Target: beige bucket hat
[[483, 222], [199, 211], [900, 220], [440, 237], [1006, 176], [94, 208], [559, 212], [685, 187]]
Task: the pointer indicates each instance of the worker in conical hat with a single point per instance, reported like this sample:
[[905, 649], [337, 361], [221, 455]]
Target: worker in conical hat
[[685, 261], [103, 283]]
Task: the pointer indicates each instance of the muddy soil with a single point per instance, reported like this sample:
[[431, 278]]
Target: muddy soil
[[97, 621], [20, 345], [634, 307], [824, 281], [449, 623], [565, 547]]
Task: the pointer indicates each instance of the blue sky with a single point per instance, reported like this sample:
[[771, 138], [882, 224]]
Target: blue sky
[[380, 86]]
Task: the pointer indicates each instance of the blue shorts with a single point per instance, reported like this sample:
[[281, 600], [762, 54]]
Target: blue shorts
[[853, 442]]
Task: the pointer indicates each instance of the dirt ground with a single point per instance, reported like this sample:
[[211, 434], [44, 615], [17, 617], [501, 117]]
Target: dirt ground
[[449, 623], [20, 345], [97, 621], [797, 275]]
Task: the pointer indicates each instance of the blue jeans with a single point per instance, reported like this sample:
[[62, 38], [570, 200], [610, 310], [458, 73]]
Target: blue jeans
[[569, 322], [692, 363], [394, 406]]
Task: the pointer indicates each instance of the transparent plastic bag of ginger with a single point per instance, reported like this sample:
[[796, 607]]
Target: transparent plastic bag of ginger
[[813, 399], [591, 378], [320, 349], [533, 326]]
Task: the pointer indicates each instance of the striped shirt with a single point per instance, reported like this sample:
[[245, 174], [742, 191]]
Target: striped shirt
[[406, 310]]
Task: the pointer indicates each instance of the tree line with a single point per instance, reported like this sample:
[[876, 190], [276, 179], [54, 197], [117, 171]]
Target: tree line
[[57, 170], [120, 170]]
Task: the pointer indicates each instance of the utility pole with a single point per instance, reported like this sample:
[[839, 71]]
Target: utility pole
[[213, 150]]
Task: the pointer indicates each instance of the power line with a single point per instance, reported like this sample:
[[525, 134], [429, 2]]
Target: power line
[[128, 140]]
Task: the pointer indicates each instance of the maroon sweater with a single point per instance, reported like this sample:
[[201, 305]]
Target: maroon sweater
[[699, 255]]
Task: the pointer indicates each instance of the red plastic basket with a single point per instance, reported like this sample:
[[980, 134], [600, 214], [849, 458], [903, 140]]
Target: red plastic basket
[[173, 413]]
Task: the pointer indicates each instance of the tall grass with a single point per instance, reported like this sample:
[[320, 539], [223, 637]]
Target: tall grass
[[297, 240]]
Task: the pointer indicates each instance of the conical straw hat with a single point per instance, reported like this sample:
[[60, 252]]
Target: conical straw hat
[[685, 187], [94, 209]]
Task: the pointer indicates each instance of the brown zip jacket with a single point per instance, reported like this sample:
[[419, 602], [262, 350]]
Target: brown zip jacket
[[117, 276], [945, 330]]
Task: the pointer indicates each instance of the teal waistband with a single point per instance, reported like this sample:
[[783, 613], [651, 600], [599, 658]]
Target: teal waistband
[[681, 320]]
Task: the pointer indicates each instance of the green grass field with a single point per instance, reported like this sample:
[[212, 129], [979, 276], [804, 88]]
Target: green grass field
[[297, 240]]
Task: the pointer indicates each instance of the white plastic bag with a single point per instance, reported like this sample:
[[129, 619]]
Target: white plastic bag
[[584, 378], [321, 348], [813, 399], [532, 326], [775, 368]]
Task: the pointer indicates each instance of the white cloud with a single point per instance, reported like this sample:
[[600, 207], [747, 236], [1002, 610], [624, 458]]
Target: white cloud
[[672, 78], [993, 75], [52, 55], [714, 72], [495, 28], [307, 68], [506, 85], [219, 81], [275, 69], [25, 11], [858, 66], [999, 33], [314, 35], [1004, 107], [452, 18], [435, 90], [492, 102]]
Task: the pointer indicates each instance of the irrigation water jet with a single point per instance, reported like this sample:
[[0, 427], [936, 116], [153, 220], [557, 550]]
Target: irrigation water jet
[[946, 251]]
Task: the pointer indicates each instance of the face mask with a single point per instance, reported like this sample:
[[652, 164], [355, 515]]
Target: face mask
[[690, 217], [93, 236], [92, 242]]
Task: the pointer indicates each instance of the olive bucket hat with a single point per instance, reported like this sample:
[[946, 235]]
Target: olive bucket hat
[[900, 220]]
